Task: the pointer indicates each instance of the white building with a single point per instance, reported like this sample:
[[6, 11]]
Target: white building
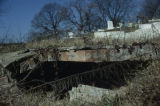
[[70, 34], [145, 31]]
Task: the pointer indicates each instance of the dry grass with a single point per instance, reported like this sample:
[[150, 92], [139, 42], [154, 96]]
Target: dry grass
[[59, 43], [4, 48], [41, 99], [38, 99], [143, 90], [88, 41]]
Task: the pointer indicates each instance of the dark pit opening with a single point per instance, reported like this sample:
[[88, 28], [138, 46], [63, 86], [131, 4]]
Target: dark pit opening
[[62, 76]]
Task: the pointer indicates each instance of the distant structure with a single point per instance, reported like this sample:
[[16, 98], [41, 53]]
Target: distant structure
[[143, 30], [70, 34], [130, 24], [142, 19], [110, 25], [101, 30], [154, 20], [121, 25]]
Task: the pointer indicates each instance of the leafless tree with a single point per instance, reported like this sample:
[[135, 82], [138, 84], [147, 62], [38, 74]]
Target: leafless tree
[[114, 10], [83, 16], [150, 8], [49, 20]]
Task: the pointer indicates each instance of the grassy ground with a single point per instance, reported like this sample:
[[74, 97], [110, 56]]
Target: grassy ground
[[4, 48], [143, 90], [86, 41], [73, 42]]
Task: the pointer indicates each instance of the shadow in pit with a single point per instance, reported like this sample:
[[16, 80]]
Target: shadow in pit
[[62, 76]]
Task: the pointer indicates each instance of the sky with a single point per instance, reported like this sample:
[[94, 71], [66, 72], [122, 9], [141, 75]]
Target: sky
[[15, 22], [16, 18]]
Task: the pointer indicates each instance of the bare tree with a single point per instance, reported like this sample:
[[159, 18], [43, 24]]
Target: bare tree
[[150, 8], [83, 16], [114, 10], [50, 19]]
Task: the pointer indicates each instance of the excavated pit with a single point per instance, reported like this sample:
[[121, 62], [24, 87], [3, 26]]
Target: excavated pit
[[61, 76], [60, 70]]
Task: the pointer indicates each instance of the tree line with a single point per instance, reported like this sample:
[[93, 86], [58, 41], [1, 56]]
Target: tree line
[[85, 16]]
